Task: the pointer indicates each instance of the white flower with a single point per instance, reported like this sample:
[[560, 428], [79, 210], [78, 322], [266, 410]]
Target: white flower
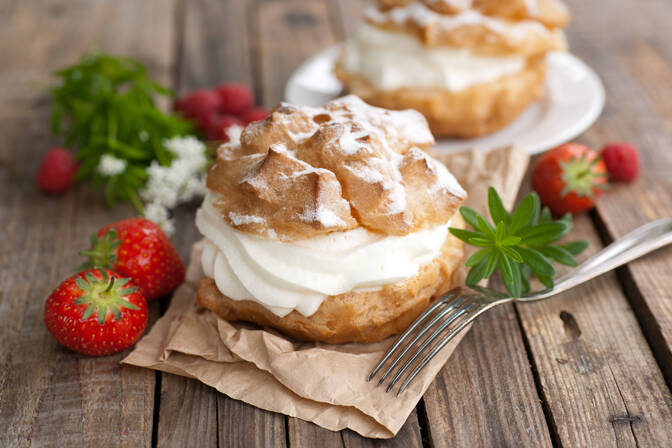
[[185, 147], [181, 181], [110, 165], [156, 212], [193, 188]]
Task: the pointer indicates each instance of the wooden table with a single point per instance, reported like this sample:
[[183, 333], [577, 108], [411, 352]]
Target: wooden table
[[590, 368]]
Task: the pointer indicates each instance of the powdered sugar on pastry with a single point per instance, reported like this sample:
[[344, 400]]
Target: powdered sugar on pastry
[[420, 14], [306, 172], [532, 7], [458, 5], [317, 202]]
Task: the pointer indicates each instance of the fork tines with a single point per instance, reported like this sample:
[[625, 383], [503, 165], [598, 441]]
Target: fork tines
[[446, 314]]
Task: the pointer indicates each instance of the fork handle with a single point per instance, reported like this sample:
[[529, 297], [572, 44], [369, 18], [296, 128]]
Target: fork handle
[[640, 241]]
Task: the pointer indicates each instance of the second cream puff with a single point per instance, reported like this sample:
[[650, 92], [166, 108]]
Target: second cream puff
[[469, 68]]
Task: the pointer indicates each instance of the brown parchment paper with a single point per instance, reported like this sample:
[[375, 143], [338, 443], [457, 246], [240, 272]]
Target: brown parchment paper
[[324, 384]]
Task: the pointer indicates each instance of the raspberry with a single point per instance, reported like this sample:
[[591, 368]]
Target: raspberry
[[57, 171], [199, 106], [220, 124], [254, 114], [622, 160], [236, 98]]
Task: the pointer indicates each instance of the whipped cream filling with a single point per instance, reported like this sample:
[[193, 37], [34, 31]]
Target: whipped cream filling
[[390, 60], [298, 275]]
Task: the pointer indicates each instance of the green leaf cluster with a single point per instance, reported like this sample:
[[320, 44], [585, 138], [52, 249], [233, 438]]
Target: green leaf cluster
[[518, 244], [106, 104]]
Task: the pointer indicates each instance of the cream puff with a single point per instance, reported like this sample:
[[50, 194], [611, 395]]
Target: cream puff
[[470, 67], [329, 224]]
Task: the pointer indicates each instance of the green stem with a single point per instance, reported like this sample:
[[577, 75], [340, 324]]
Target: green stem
[[135, 200], [109, 287]]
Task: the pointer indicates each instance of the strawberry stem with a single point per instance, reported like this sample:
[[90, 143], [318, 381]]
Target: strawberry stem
[[109, 287], [100, 295]]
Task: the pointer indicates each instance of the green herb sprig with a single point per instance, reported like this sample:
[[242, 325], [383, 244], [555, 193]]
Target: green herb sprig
[[519, 244], [105, 104]]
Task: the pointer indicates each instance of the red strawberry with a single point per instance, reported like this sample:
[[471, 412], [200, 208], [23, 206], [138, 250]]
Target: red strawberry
[[96, 312], [236, 98], [138, 248], [57, 171], [220, 124], [254, 114], [199, 106], [622, 161], [569, 178]]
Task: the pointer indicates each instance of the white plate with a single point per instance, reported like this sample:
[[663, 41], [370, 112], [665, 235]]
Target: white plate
[[574, 100]]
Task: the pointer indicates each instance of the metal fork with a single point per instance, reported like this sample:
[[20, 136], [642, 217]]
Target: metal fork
[[454, 311]]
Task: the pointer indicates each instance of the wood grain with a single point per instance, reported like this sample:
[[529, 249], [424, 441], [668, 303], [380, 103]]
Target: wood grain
[[409, 436], [485, 395], [600, 380], [187, 413], [636, 67], [287, 33], [242, 425], [48, 395]]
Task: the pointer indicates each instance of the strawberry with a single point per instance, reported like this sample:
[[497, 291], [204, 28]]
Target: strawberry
[[220, 124], [57, 171], [254, 114], [138, 248], [236, 98], [199, 106], [96, 312], [622, 160], [569, 178]]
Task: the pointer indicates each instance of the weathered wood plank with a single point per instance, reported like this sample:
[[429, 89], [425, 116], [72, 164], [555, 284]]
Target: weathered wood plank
[[191, 421], [636, 72], [485, 395], [48, 395], [600, 381], [216, 44], [350, 13], [409, 436], [215, 48], [302, 433], [288, 32], [242, 425]]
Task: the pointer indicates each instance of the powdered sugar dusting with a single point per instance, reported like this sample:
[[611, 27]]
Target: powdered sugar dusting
[[323, 215], [532, 7], [397, 199], [310, 170], [360, 154], [300, 137], [366, 173], [407, 124], [459, 5], [419, 13], [349, 143], [238, 219]]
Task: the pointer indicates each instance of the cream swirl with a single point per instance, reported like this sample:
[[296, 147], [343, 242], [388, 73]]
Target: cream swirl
[[377, 55], [298, 275]]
